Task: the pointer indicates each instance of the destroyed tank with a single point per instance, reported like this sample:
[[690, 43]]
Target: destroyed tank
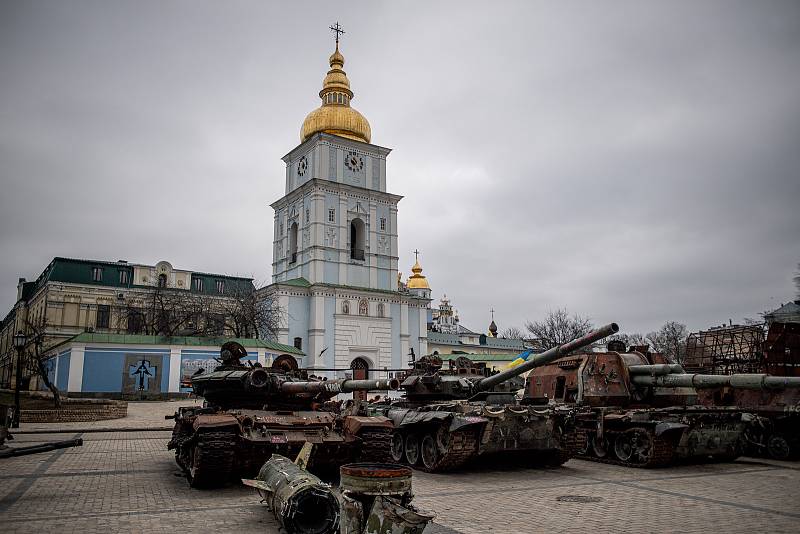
[[450, 416], [773, 411], [637, 409], [251, 412]]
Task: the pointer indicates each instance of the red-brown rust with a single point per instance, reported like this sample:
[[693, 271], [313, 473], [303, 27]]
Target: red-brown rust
[[373, 470]]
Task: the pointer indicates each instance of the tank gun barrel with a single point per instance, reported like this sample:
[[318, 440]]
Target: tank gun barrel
[[656, 369], [334, 387], [738, 381], [546, 357]]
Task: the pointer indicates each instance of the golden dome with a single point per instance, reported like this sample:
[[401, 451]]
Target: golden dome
[[417, 280], [335, 116]]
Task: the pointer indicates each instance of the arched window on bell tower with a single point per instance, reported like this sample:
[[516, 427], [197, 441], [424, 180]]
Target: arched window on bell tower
[[357, 231], [293, 243]]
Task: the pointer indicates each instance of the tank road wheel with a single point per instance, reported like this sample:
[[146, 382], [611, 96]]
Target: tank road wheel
[[397, 449], [637, 445], [429, 452], [778, 447], [412, 449], [599, 447], [582, 443], [623, 448]]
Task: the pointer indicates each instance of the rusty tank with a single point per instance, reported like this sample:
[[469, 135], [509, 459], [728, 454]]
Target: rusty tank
[[637, 409], [251, 412], [772, 406], [448, 416]]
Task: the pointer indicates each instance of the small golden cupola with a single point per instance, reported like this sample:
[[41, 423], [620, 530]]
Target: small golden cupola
[[417, 280], [335, 116]]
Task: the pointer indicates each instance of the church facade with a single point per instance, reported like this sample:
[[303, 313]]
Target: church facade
[[335, 246]]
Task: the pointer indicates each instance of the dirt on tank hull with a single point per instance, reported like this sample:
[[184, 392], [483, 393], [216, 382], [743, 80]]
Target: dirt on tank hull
[[657, 438], [253, 412], [445, 436], [638, 410], [451, 416]]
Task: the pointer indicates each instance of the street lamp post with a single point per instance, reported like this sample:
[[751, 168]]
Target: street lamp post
[[19, 343]]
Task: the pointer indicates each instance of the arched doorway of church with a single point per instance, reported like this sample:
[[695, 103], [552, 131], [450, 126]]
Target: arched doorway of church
[[360, 368]]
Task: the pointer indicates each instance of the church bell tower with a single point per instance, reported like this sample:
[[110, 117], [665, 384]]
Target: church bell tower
[[336, 224]]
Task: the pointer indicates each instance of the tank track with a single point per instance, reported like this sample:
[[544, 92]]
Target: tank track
[[664, 453], [463, 446], [376, 445], [211, 459]]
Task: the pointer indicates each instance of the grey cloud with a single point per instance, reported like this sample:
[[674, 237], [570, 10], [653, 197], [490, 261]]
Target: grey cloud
[[635, 162]]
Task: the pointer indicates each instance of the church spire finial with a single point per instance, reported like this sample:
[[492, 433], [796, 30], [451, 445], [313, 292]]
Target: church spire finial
[[337, 29]]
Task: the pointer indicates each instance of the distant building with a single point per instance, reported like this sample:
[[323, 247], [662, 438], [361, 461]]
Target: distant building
[[447, 336], [74, 296], [787, 313]]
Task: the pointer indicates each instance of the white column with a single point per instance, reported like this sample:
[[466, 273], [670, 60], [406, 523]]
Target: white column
[[404, 331], [262, 357], [75, 382], [423, 331], [174, 370], [316, 331]]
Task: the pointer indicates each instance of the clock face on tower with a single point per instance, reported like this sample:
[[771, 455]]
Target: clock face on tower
[[354, 162], [302, 166]]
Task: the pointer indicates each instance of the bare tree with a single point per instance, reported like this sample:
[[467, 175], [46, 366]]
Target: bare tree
[[558, 327], [670, 340], [176, 312], [512, 332], [36, 363], [245, 315]]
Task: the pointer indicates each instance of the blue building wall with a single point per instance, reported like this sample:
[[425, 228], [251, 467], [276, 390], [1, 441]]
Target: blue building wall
[[297, 312], [62, 375], [104, 368]]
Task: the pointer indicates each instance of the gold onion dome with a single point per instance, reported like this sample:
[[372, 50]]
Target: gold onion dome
[[417, 280], [335, 116]]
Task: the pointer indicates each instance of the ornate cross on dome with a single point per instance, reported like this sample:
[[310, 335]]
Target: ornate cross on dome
[[416, 255], [338, 29], [492, 310]]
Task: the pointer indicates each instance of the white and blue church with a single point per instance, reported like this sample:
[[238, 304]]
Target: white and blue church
[[335, 247]]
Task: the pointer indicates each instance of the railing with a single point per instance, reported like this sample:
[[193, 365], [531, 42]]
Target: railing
[[357, 254]]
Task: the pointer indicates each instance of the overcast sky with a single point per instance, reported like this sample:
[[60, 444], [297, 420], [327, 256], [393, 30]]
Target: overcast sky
[[636, 162]]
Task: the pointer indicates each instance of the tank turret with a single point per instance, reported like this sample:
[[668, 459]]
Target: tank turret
[[428, 381], [252, 412]]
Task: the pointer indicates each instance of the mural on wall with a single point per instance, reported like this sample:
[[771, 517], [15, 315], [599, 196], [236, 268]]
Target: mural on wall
[[194, 366], [141, 374]]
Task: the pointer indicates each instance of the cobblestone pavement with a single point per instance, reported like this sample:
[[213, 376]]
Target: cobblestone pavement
[[128, 482]]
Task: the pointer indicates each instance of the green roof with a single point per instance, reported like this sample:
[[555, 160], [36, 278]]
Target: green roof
[[189, 341], [297, 282], [302, 282], [79, 271], [481, 357]]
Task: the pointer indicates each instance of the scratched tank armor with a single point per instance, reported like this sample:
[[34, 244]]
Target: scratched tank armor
[[251, 412], [449, 416], [636, 409]]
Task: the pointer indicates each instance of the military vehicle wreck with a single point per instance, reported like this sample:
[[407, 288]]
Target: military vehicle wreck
[[640, 410], [371, 499], [450, 416], [252, 412]]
